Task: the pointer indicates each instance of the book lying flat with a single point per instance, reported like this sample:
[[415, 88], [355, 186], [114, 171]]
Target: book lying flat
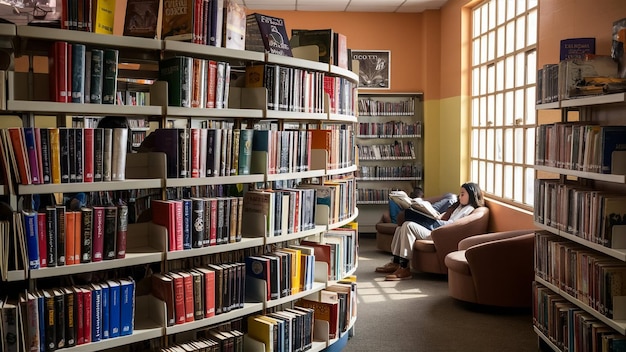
[[417, 204]]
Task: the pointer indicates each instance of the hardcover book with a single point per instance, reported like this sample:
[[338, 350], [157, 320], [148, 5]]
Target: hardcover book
[[177, 21], [176, 72], [141, 18], [78, 73], [127, 306], [109, 75], [110, 232], [163, 289], [267, 34], [105, 16], [577, 48], [323, 38], [234, 25], [97, 77]]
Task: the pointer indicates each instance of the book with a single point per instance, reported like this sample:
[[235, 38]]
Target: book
[[267, 34], [119, 145], [127, 306], [78, 73], [417, 204], [121, 231], [234, 28], [110, 232], [576, 48], [177, 20], [104, 16], [96, 312], [141, 19], [323, 38], [88, 155], [164, 214], [42, 225], [96, 79], [175, 71], [179, 297], [98, 234], [86, 234], [110, 60], [186, 208], [114, 308], [263, 331], [324, 311], [162, 287], [245, 151], [31, 224], [60, 234], [70, 238], [59, 58], [31, 148]]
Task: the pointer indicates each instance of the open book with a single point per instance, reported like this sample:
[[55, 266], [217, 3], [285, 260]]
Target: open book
[[417, 204]]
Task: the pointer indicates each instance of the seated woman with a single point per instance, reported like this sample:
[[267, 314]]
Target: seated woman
[[418, 226]]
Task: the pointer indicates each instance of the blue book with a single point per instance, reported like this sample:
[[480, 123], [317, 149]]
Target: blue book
[[613, 140], [127, 306], [31, 150], [577, 48], [32, 238], [41, 308], [186, 223], [105, 310], [114, 308], [96, 313]]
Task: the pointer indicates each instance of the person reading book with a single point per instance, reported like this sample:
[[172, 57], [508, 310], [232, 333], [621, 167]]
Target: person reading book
[[420, 226]]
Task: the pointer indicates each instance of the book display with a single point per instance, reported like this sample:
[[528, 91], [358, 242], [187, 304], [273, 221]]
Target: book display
[[140, 238], [580, 247], [391, 150]]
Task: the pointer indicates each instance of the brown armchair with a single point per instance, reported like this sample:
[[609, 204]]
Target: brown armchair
[[493, 269], [429, 255]]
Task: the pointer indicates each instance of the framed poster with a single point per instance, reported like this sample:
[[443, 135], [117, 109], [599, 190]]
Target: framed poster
[[374, 68]]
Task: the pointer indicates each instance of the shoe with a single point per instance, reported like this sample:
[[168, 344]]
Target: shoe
[[400, 274], [388, 268]]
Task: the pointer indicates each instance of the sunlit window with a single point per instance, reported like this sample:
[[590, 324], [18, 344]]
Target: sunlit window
[[504, 40]]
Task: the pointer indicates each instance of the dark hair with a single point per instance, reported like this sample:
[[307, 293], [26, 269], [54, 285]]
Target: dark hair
[[113, 122], [475, 194], [417, 192]]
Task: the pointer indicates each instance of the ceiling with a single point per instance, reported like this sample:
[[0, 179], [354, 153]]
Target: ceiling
[[345, 5]]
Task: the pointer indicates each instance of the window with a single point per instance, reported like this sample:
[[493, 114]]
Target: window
[[503, 68]]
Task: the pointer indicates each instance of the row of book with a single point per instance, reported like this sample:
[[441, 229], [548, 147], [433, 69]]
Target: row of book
[[32, 155], [594, 279], [282, 272], [390, 129], [196, 82], [374, 195], [277, 212], [412, 171], [373, 107], [200, 292], [57, 236], [288, 330], [199, 221], [593, 215], [78, 75], [399, 149], [582, 146], [214, 340], [569, 327], [578, 77], [52, 319]]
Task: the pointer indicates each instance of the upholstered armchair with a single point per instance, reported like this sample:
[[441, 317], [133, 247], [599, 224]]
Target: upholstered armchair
[[429, 255], [493, 269]]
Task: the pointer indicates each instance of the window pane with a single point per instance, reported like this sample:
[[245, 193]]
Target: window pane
[[532, 4], [489, 179], [508, 145], [508, 108], [521, 6], [518, 145], [481, 173], [499, 145], [483, 80], [507, 180], [476, 23], [519, 106], [499, 109], [520, 69], [483, 48], [532, 28], [492, 15], [501, 41], [474, 168], [531, 113], [481, 137], [510, 9], [521, 30], [510, 37], [510, 68], [491, 78], [474, 146], [490, 110], [498, 180], [476, 52], [531, 67], [483, 108], [475, 112], [530, 146], [476, 81], [500, 75], [529, 197], [484, 18], [490, 143], [491, 46], [518, 193]]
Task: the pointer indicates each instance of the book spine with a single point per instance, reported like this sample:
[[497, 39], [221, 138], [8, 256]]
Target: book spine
[[197, 222], [109, 76], [64, 144], [107, 154], [70, 317], [86, 234], [78, 73], [70, 243], [42, 239], [119, 146], [187, 223], [71, 147], [122, 231], [79, 315], [32, 154], [110, 232], [44, 144], [127, 306], [115, 306], [98, 234], [58, 67], [61, 231], [88, 154], [87, 314], [31, 223], [96, 313], [98, 154], [96, 74], [79, 161], [106, 310], [59, 319]]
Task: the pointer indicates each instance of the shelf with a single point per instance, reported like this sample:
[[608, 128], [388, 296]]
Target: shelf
[[249, 308], [199, 50], [345, 221], [295, 175], [388, 136], [340, 171], [388, 158], [91, 186], [373, 202], [317, 286], [336, 70], [615, 253], [220, 180], [378, 179], [54, 108], [297, 62], [619, 325], [548, 106], [173, 111], [546, 339], [594, 100], [195, 252], [583, 174], [341, 118], [139, 334], [292, 115], [295, 235], [16, 275]]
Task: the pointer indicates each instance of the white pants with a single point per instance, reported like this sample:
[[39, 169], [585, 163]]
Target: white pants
[[405, 236]]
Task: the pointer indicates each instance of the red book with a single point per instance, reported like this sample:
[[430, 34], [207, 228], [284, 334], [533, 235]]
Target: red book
[[79, 318], [209, 291], [163, 289], [86, 315], [188, 286], [179, 224], [58, 64], [195, 152], [88, 166], [198, 22], [164, 214], [122, 231], [98, 234], [39, 155], [70, 238], [211, 83], [179, 298], [41, 229]]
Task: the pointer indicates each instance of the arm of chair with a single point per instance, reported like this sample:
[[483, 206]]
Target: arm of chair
[[504, 264], [488, 237], [446, 238]]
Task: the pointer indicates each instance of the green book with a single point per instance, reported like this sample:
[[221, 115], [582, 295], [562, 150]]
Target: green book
[[245, 151], [109, 81], [175, 71], [97, 61]]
